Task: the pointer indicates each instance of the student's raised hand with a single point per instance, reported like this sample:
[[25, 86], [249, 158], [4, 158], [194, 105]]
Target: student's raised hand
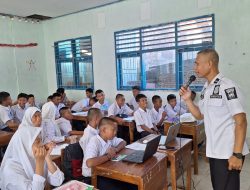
[[185, 93], [39, 154], [49, 149]]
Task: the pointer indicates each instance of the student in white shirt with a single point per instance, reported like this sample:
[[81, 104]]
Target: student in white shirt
[[64, 123], [64, 97], [31, 101], [173, 109], [19, 109], [102, 104], [143, 120], [94, 117], [27, 165], [83, 105], [7, 122], [50, 132], [103, 147], [57, 100], [158, 114], [132, 103]]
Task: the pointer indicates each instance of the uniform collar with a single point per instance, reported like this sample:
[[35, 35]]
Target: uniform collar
[[19, 107], [5, 107], [103, 142], [118, 106], [142, 110], [215, 80], [92, 129]]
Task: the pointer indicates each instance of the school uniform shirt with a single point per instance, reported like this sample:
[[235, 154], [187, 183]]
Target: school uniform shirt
[[114, 109], [97, 147], [156, 115], [134, 103], [18, 166], [219, 102], [143, 118], [88, 133], [5, 116], [103, 107], [173, 112], [64, 126], [18, 113], [60, 105], [78, 106], [65, 100]]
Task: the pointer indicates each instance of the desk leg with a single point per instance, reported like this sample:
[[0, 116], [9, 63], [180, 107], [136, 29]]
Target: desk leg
[[188, 180], [131, 132], [141, 185], [173, 174], [195, 146]]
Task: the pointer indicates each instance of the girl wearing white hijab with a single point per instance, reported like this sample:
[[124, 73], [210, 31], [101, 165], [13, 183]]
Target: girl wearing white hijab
[[51, 131], [26, 164]]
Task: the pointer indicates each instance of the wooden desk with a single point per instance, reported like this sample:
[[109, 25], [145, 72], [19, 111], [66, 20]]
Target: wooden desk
[[80, 118], [197, 132], [5, 137], [180, 160], [152, 174]]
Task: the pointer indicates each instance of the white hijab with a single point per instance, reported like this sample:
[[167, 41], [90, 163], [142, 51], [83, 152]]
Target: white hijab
[[19, 152], [49, 115]]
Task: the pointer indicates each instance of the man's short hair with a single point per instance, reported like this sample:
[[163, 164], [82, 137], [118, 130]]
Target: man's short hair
[[155, 98], [140, 96], [136, 88], [171, 97], [212, 53]]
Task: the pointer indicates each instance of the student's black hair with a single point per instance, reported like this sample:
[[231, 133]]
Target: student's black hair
[[155, 97], [140, 96], [98, 92], [56, 95], [93, 112], [107, 120], [170, 97], [50, 97], [60, 90], [93, 98], [136, 88], [22, 95], [3, 96], [90, 90], [63, 109], [31, 96], [119, 96]]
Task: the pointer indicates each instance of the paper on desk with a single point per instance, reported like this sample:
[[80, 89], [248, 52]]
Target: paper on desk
[[58, 148], [137, 146], [129, 119], [80, 113], [163, 140], [187, 117]]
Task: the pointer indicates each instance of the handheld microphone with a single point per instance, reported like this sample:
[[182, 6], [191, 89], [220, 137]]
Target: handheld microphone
[[191, 79]]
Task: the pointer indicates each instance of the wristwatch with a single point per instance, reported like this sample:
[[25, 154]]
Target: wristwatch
[[238, 155]]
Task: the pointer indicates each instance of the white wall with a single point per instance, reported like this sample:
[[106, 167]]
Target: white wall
[[231, 38], [15, 74]]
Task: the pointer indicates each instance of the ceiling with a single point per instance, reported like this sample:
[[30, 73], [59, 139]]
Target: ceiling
[[50, 8]]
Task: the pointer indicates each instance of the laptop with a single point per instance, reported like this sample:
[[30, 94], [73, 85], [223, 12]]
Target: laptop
[[139, 156], [172, 133]]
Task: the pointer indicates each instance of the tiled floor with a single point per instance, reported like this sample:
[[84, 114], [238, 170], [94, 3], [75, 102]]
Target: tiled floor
[[203, 182]]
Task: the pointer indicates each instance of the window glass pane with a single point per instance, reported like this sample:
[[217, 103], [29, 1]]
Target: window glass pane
[[85, 74], [130, 71], [65, 50], [160, 69], [67, 74]]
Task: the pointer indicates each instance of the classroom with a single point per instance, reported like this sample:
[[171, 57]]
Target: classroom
[[124, 94]]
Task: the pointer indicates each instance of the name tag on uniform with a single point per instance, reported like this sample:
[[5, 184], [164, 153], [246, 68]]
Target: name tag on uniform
[[216, 92]]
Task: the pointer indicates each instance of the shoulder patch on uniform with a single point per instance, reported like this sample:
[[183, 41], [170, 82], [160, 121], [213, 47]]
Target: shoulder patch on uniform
[[231, 93]]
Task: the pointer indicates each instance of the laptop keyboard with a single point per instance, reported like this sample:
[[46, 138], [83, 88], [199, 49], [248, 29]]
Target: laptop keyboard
[[135, 156]]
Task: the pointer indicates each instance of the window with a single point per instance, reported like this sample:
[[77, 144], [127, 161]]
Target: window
[[162, 56], [74, 63]]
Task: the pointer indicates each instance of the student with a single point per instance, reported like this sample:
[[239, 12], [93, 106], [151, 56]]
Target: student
[[31, 101], [173, 109], [119, 108], [102, 104], [50, 130], [64, 123], [64, 97], [26, 164], [49, 98], [83, 105], [19, 109], [103, 147], [92, 101], [94, 117], [133, 104], [7, 122], [158, 114], [57, 100], [144, 124]]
